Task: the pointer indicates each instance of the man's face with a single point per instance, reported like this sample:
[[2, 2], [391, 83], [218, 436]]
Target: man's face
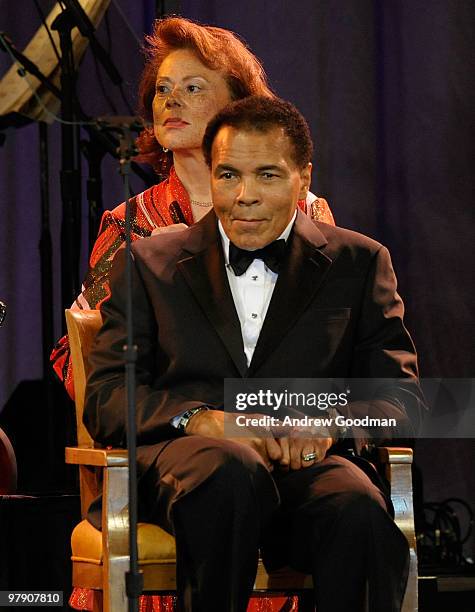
[[255, 184]]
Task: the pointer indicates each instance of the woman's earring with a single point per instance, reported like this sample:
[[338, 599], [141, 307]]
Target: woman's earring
[[165, 150]]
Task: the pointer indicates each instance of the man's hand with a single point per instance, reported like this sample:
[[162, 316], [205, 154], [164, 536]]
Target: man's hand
[[219, 424], [294, 449], [168, 229]]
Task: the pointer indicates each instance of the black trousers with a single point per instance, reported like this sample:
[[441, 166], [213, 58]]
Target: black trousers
[[223, 505]]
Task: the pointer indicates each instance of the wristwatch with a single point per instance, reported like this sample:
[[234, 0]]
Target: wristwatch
[[186, 416]]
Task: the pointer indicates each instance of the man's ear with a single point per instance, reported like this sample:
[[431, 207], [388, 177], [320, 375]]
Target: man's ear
[[305, 180]]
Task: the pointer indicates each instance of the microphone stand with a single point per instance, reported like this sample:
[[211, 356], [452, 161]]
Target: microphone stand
[[100, 142], [87, 29], [94, 153], [46, 266], [70, 171], [134, 577]]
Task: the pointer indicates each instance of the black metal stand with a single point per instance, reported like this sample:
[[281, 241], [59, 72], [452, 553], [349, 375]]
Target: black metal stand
[[94, 154], [102, 139], [70, 174], [71, 17], [46, 265], [134, 577], [87, 29], [45, 248], [100, 143]]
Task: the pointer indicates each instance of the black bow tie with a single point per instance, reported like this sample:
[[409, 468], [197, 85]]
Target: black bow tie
[[271, 255]]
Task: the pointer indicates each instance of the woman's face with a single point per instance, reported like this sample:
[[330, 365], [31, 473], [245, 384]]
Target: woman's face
[[187, 96]]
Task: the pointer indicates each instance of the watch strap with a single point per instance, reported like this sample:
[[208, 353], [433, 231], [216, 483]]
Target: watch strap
[[186, 416]]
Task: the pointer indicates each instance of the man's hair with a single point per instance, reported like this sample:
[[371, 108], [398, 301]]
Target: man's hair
[[217, 48], [261, 114]]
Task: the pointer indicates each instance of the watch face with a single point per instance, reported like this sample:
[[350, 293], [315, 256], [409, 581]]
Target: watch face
[[182, 423]]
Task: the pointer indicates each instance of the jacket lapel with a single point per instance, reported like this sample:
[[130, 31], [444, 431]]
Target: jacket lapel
[[299, 280], [204, 271]]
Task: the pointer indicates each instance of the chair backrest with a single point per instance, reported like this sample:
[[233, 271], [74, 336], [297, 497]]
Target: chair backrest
[[83, 326]]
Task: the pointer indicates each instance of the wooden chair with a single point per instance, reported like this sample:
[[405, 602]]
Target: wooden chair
[[100, 559]]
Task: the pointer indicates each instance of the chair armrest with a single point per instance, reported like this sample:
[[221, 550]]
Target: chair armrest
[[113, 479], [92, 482], [397, 462], [99, 457], [398, 466], [395, 454]]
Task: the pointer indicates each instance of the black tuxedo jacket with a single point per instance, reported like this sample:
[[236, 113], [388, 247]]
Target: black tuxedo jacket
[[335, 312]]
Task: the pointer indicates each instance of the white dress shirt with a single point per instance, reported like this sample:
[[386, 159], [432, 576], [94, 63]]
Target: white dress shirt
[[252, 292]]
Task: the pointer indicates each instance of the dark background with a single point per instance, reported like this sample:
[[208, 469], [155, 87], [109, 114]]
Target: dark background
[[388, 90]]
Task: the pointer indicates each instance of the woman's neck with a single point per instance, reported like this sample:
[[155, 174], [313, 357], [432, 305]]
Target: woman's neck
[[193, 172]]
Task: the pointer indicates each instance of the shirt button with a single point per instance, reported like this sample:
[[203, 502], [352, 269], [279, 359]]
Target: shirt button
[[254, 315], [254, 278]]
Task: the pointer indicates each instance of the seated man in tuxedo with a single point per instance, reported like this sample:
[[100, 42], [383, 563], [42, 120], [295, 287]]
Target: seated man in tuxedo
[[258, 290]]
